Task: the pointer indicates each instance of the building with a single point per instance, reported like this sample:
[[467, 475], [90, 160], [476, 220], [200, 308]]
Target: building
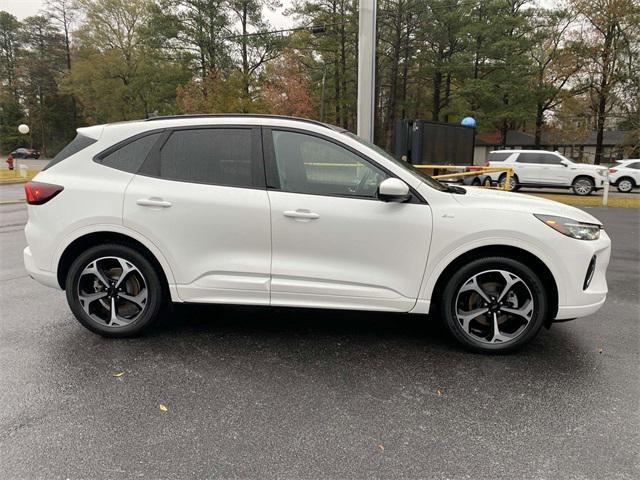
[[617, 145]]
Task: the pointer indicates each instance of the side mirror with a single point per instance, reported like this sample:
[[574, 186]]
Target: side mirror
[[393, 190], [564, 163]]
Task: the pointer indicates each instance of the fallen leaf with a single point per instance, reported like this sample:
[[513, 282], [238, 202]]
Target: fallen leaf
[[119, 374], [163, 408], [600, 350], [381, 447], [440, 391]]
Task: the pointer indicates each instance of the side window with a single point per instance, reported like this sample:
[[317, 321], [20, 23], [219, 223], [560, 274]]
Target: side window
[[549, 159], [530, 158], [129, 158], [499, 156], [308, 164], [635, 165], [216, 156]]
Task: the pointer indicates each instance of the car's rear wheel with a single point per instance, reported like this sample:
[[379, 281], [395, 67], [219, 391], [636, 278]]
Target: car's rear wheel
[[583, 186], [114, 291], [494, 305], [625, 185], [514, 184]]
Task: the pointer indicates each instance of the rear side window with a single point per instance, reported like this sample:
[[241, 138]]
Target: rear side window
[[129, 157], [215, 156], [635, 166], [531, 158], [499, 156], [79, 143]]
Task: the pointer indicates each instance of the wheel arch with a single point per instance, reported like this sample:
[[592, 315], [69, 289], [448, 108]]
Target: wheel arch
[[509, 251], [90, 239], [584, 175]]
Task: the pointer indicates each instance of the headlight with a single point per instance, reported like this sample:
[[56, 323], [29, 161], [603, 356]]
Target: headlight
[[572, 228]]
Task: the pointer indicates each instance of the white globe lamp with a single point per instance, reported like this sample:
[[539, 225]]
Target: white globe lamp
[[23, 129]]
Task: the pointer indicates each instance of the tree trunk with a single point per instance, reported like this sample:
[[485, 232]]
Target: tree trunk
[[437, 86], [539, 125], [393, 87]]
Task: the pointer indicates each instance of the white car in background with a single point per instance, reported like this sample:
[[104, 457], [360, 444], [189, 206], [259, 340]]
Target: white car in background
[[276, 211], [625, 175], [543, 169]]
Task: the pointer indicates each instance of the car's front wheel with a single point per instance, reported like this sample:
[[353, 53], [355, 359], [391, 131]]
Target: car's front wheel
[[494, 305], [113, 290], [625, 185], [583, 186]]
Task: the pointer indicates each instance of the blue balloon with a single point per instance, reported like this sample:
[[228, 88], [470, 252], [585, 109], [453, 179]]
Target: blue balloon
[[468, 122]]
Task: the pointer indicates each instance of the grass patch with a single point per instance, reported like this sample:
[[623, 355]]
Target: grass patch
[[13, 176], [628, 201]]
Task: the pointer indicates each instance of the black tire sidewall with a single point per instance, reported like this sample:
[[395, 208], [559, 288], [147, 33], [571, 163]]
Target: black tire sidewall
[[154, 289], [447, 306]]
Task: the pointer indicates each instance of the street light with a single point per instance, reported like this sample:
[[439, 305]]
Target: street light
[[23, 129], [366, 68]]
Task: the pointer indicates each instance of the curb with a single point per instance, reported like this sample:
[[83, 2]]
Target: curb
[[11, 202]]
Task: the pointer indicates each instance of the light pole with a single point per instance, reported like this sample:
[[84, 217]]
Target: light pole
[[366, 68]]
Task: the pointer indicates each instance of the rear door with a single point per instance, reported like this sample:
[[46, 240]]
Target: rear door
[[200, 198], [528, 167]]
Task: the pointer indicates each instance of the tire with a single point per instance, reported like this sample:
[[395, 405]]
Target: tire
[[583, 186], [487, 182], [625, 185], [476, 182], [92, 290], [526, 296], [514, 184]]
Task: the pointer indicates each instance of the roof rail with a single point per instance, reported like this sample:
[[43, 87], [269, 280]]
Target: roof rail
[[250, 115]]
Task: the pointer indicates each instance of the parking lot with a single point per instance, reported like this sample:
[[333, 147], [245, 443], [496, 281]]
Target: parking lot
[[286, 393]]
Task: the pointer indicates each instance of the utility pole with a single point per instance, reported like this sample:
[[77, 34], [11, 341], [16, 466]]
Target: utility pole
[[366, 68]]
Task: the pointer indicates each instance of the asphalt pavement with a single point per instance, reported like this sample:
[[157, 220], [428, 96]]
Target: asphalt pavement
[[304, 394]]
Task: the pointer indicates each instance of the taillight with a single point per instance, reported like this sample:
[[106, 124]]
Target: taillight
[[612, 170], [38, 192]]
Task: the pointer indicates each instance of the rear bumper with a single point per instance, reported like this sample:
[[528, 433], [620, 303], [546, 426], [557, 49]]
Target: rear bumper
[[49, 279]]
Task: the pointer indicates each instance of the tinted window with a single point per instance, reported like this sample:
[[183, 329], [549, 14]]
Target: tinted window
[[549, 159], [499, 156], [79, 143], [130, 157], [531, 158], [217, 156], [308, 164], [635, 165]]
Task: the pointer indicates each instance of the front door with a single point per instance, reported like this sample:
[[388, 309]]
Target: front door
[[334, 243], [200, 197]]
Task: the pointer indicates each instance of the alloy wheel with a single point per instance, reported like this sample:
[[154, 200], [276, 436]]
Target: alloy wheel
[[583, 187], [494, 306], [112, 291], [625, 186]]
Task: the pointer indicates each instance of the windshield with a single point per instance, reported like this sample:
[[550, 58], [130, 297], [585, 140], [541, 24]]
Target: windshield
[[423, 177]]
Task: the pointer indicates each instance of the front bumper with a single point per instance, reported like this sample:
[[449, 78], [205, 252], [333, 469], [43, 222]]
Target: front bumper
[[580, 301], [49, 279]]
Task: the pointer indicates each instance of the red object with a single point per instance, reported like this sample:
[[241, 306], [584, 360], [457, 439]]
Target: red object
[[487, 163], [612, 170], [38, 192], [10, 161]]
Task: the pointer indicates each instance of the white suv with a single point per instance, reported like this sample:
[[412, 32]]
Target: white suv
[[542, 169], [265, 210], [625, 175]]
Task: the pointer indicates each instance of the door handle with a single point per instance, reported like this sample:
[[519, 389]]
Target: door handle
[[153, 202], [301, 214]]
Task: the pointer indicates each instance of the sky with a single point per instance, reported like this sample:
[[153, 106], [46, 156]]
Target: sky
[[25, 8]]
